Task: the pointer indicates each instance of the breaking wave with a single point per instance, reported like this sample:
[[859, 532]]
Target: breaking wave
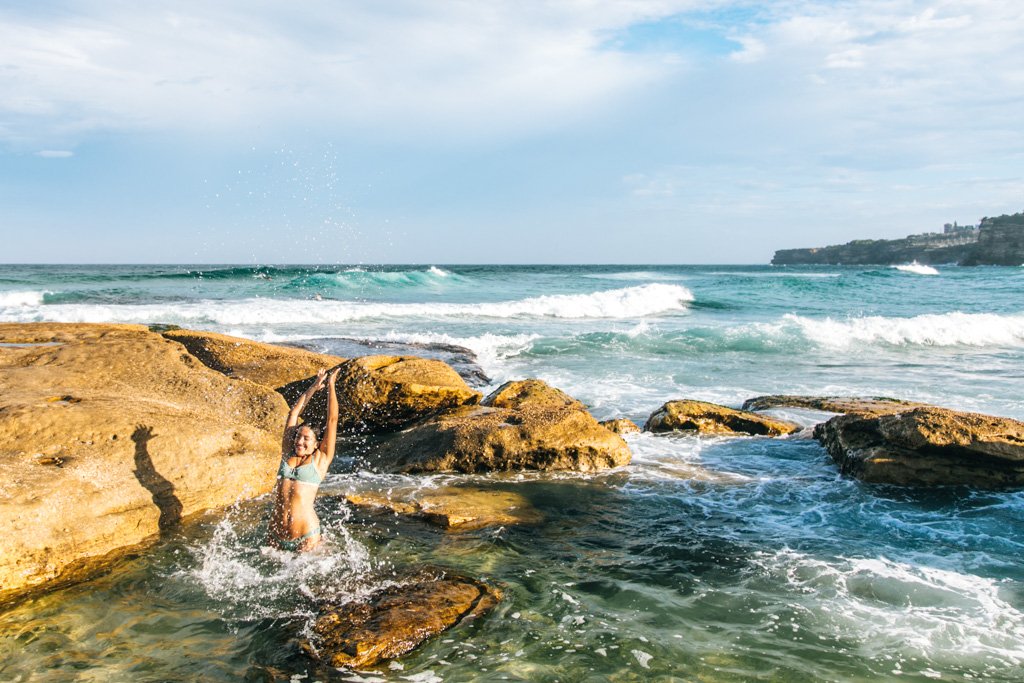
[[631, 302]]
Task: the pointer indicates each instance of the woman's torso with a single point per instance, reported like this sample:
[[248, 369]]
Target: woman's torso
[[297, 483]]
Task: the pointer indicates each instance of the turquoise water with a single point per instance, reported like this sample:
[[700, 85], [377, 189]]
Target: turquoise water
[[706, 559]]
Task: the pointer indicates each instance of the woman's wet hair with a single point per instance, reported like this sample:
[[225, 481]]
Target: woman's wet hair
[[311, 427]]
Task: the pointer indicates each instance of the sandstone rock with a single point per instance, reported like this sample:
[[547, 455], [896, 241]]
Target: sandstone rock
[[525, 425], [109, 435], [621, 426], [397, 619], [385, 393], [864, 405], [454, 508], [927, 446], [531, 394], [710, 418], [272, 366]]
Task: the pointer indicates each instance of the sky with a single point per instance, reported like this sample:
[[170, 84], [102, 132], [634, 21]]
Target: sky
[[570, 131]]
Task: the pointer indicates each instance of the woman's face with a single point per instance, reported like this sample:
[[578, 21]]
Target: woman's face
[[305, 441]]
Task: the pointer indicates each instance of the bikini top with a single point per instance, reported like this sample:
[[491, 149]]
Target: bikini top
[[306, 474]]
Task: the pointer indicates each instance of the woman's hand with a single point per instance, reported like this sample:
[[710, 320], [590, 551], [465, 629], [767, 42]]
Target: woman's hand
[[333, 377], [321, 375]]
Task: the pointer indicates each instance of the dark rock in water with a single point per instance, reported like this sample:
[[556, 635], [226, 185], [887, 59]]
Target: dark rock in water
[[397, 619], [386, 393], [711, 418], [463, 360], [927, 447], [522, 425], [620, 426], [864, 405]]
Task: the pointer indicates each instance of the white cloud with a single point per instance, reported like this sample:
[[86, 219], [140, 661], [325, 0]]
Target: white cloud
[[55, 153], [460, 66]]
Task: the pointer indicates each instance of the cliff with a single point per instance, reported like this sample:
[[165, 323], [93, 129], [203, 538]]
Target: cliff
[[1000, 243], [996, 241]]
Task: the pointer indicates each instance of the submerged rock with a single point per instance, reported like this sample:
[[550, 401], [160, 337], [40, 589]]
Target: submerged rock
[[927, 446], [621, 426], [386, 393], [454, 508], [711, 418], [522, 425], [109, 436], [271, 365], [397, 619], [864, 405]]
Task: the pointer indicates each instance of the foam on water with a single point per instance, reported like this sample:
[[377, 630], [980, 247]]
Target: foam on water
[[916, 268], [889, 606], [948, 329], [16, 299], [252, 580]]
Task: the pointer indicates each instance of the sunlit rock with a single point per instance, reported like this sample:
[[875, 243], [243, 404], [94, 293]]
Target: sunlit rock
[[926, 447], [710, 418], [109, 436], [386, 393], [397, 619]]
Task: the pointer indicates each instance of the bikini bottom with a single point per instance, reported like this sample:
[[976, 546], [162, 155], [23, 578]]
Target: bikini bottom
[[294, 544]]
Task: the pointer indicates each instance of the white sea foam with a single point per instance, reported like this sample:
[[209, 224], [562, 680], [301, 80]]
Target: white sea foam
[[434, 270], [907, 610], [630, 302], [944, 329], [490, 349], [916, 268], [638, 276], [21, 298]]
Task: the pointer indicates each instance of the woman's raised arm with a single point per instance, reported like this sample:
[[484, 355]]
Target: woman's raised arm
[[331, 432], [300, 405]]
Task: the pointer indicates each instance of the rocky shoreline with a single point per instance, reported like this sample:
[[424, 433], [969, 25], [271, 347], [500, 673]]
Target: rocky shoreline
[[111, 435], [996, 241]]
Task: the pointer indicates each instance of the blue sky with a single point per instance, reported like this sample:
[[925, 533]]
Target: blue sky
[[571, 131]]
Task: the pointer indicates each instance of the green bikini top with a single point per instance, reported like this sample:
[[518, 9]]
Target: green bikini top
[[306, 474]]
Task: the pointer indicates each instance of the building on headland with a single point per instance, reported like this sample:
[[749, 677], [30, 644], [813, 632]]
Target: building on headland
[[994, 241]]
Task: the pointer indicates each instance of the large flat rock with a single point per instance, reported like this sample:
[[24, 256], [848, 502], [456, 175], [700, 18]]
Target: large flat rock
[[927, 447], [711, 418], [271, 365], [396, 620], [109, 435], [454, 508], [864, 405]]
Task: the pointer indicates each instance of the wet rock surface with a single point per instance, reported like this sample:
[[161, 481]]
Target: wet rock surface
[[109, 436], [397, 619], [710, 418], [621, 426], [460, 508], [865, 405], [522, 425], [927, 447]]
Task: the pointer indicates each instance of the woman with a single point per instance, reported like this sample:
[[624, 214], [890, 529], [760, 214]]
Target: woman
[[304, 463]]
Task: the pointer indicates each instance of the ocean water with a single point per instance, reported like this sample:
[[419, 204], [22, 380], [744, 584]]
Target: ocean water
[[710, 559]]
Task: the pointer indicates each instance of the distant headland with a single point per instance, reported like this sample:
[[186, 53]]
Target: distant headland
[[993, 242]]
